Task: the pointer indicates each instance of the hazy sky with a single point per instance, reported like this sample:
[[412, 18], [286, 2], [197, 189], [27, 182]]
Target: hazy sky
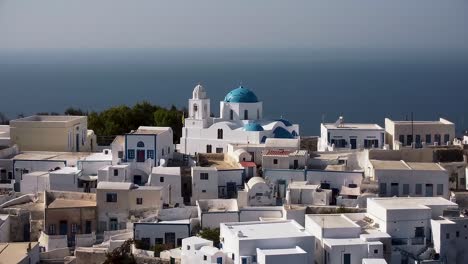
[[400, 24]]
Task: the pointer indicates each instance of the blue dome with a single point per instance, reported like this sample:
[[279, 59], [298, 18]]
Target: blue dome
[[241, 95], [253, 127], [285, 122], [280, 132]]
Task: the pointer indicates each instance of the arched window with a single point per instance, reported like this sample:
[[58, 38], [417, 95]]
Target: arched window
[[220, 134], [140, 144], [195, 108]]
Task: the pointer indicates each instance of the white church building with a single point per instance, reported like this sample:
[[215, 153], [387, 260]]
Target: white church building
[[240, 122]]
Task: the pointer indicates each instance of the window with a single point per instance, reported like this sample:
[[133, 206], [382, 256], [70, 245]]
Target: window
[[244, 260], [437, 138], [376, 251], [52, 230], [188, 247], [160, 241], [116, 172], [139, 200], [205, 257], [440, 189], [111, 197], [74, 228], [204, 176], [150, 154], [120, 154], [418, 189], [457, 234], [131, 154], [208, 148], [246, 114], [447, 236], [203, 191], [179, 242], [140, 144], [231, 114], [406, 190], [409, 140], [402, 139], [162, 152], [275, 161], [383, 188], [161, 179], [220, 133], [168, 150], [10, 176], [446, 138], [419, 231], [219, 150], [219, 260], [428, 138], [258, 113], [418, 141]]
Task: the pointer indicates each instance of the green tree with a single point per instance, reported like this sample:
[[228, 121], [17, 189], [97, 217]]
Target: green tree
[[122, 254], [75, 112], [210, 234]]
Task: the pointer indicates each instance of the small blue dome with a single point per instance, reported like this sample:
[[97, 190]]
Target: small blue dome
[[280, 132], [241, 95], [253, 127], [284, 121]]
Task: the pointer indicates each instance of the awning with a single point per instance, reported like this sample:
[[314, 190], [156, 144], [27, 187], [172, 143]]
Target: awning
[[88, 177], [350, 191], [248, 164]]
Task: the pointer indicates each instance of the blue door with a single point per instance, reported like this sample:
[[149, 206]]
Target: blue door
[[63, 228]]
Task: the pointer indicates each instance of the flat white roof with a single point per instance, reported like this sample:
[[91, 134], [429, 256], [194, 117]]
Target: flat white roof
[[402, 165], [283, 251], [166, 170], [266, 230], [66, 170], [411, 202], [353, 126], [374, 261], [48, 118], [37, 173], [343, 241], [115, 185], [332, 221]]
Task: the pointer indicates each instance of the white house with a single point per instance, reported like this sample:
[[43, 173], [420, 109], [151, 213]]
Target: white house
[[400, 178], [418, 133], [449, 235], [408, 221], [143, 149], [117, 201], [256, 193], [285, 159], [169, 233], [34, 182], [170, 178], [340, 240], [242, 241], [302, 192], [216, 177], [341, 135], [240, 122], [199, 250]]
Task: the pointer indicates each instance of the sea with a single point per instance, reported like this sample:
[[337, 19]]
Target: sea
[[305, 86]]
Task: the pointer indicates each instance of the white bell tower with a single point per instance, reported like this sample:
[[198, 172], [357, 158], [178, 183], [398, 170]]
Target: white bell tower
[[199, 105]]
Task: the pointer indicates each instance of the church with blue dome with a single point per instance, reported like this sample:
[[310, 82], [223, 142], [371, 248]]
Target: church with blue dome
[[240, 122]]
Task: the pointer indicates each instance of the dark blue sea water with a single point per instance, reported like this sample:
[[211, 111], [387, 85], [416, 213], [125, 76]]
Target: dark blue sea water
[[304, 86]]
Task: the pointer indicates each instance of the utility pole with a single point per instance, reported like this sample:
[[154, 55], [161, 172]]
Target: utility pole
[[412, 130]]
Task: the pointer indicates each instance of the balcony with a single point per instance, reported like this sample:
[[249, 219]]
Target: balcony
[[417, 241], [399, 241]]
